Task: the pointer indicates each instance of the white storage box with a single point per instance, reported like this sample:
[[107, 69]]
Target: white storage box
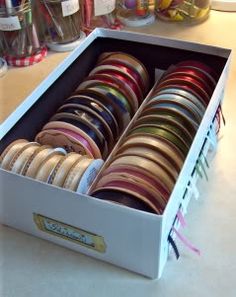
[[126, 237]]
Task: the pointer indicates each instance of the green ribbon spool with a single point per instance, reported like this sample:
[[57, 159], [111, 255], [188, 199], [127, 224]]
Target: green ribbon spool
[[119, 96], [162, 132], [173, 115], [171, 125]]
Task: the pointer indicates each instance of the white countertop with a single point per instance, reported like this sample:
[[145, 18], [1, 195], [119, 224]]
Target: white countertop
[[33, 267]]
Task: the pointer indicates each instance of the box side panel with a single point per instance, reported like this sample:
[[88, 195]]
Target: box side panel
[[164, 41], [189, 165], [131, 237]]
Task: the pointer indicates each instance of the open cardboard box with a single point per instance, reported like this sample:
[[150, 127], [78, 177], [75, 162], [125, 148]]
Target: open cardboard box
[[126, 237]]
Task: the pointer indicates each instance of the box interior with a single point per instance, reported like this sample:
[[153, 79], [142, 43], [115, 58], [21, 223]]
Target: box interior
[[152, 56]]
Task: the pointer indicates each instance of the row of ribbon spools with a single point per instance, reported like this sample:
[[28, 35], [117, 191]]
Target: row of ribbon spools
[[143, 171]]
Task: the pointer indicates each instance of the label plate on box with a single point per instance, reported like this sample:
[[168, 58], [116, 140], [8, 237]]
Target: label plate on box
[[67, 232]]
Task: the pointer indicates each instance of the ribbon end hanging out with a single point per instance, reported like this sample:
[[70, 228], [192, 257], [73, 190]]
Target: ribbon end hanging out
[[174, 246], [186, 242]]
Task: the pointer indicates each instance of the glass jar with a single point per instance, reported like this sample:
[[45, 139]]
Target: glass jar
[[136, 13], [62, 20], [183, 10], [19, 31], [98, 13]]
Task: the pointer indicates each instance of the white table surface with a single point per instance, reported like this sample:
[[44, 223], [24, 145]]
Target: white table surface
[[33, 267]]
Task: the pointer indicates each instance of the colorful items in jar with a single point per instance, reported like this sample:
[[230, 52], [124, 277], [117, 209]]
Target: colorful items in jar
[[135, 13], [62, 23], [97, 13], [21, 44], [183, 10]]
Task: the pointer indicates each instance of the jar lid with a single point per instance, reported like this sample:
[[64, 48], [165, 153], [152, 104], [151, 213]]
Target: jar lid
[[27, 61]]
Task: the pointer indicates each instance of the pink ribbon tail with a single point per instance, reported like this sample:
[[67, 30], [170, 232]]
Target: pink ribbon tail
[[181, 219], [186, 242]]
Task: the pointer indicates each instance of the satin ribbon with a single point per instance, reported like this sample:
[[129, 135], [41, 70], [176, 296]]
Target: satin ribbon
[[212, 137], [219, 110], [201, 164], [192, 188], [206, 162], [174, 246], [186, 242], [181, 218]]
